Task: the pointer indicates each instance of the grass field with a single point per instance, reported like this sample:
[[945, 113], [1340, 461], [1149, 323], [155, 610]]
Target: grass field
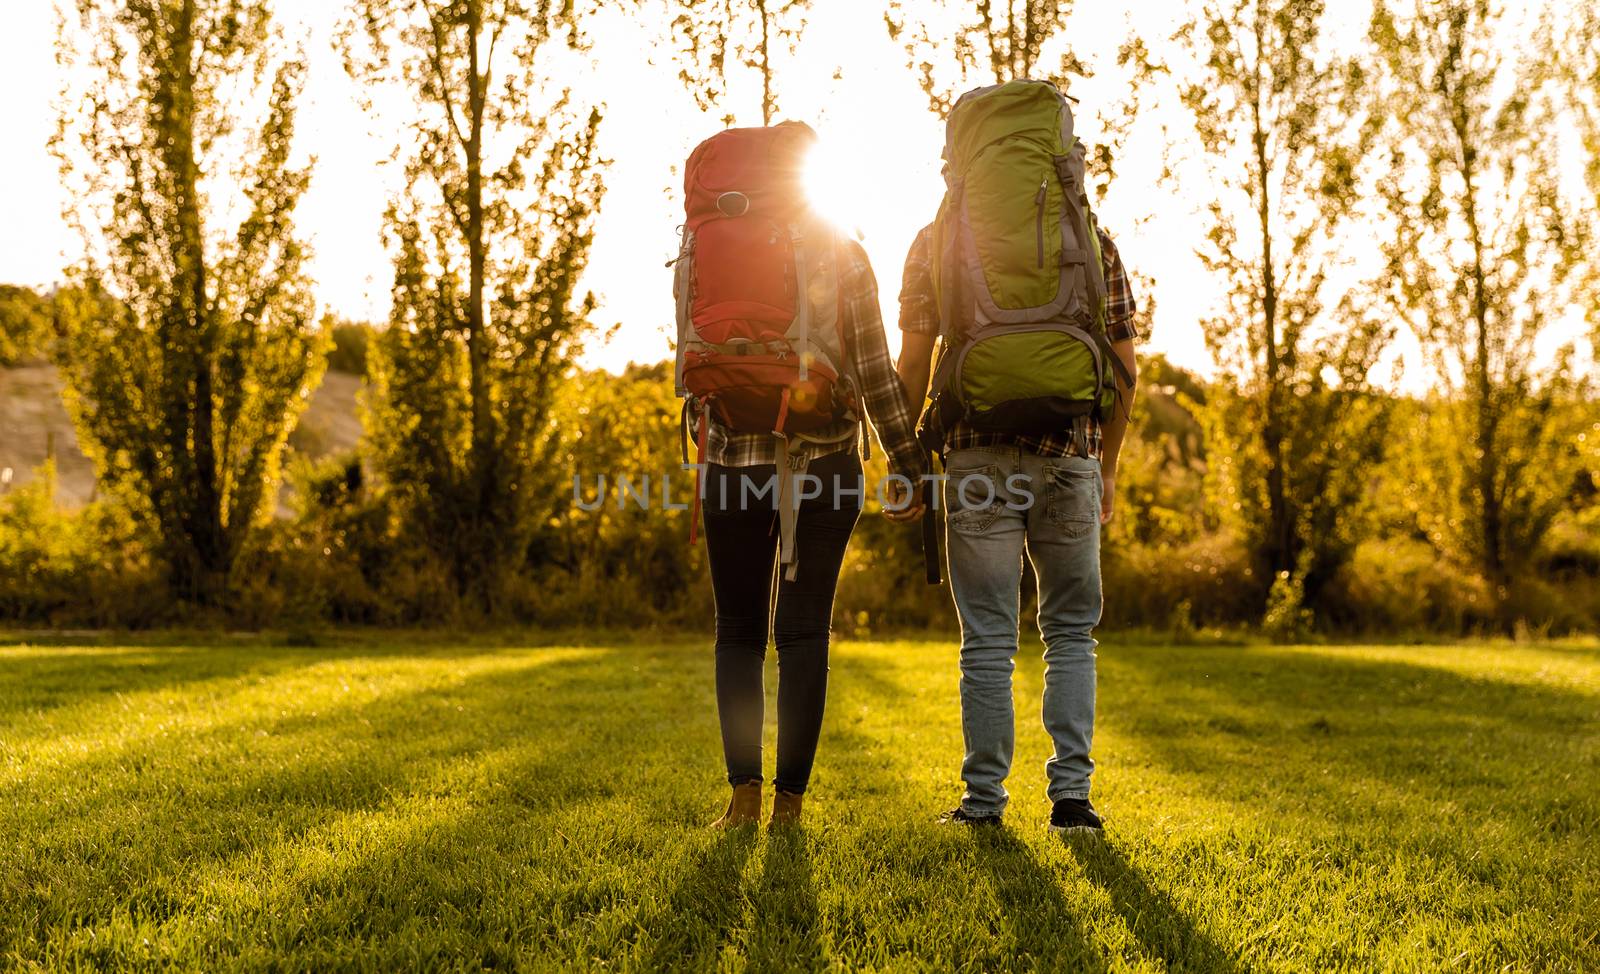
[[490, 805]]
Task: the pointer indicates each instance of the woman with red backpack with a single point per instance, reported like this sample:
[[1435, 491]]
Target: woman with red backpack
[[781, 359]]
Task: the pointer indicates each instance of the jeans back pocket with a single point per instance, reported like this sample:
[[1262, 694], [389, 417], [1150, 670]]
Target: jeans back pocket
[[1072, 498], [972, 497]]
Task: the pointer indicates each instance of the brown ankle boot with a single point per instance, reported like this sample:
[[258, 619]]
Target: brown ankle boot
[[744, 808], [785, 809]]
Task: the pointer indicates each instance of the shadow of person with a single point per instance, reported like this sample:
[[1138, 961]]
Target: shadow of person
[[1048, 931], [705, 905], [1161, 928], [786, 934]]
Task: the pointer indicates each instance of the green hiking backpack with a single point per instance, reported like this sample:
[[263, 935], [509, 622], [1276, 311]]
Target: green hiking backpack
[[1017, 272]]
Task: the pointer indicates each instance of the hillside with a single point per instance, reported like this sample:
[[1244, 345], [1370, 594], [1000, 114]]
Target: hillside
[[34, 425]]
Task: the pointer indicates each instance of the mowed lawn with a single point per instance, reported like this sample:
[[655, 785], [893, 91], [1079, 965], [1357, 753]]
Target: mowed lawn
[[486, 804]]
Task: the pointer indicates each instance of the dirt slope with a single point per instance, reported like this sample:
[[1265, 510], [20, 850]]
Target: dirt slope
[[34, 425]]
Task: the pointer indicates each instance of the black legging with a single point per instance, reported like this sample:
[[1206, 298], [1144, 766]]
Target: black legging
[[742, 542]]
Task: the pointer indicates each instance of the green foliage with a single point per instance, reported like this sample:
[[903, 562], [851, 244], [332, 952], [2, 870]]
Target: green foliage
[[88, 567], [1296, 429], [1160, 474], [188, 352], [26, 324], [618, 564], [994, 43], [490, 236], [1488, 254], [717, 38], [1287, 619], [350, 343]]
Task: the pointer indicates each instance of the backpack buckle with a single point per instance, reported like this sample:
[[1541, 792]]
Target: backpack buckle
[[733, 204]]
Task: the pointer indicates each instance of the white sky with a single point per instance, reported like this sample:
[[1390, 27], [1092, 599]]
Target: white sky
[[847, 79]]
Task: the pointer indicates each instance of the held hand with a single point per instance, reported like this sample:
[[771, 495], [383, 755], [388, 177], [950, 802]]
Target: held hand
[[1107, 496], [900, 508]]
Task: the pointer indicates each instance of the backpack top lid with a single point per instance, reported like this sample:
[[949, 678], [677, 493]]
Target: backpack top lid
[[1016, 109], [764, 166]]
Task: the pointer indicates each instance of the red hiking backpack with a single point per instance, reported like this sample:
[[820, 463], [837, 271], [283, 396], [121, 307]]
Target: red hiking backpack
[[757, 289]]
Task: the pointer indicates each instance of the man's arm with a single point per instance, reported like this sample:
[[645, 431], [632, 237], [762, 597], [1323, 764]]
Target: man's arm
[[919, 319], [919, 330], [1115, 428], [892, 415], [915, 363]]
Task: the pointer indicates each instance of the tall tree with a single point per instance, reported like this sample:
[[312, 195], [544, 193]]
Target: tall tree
[[1580, 61], [192, 345], [718, 37], [491, 233], [1282, 135], [991, 42], [955, 45], [1487, 254]]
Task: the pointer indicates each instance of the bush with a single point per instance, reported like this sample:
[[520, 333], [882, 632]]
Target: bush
[[27, 323], [348, 350], [1287, 620], [1206, 582], [1403, 585], [87, 568]]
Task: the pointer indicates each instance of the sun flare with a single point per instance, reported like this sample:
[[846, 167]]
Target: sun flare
[[837, 189]]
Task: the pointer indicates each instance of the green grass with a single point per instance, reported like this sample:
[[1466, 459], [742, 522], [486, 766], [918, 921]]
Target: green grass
[[474, 805]]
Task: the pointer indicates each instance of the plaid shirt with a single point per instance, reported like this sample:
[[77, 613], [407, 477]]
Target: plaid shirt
[[881, 392], [919, 315]]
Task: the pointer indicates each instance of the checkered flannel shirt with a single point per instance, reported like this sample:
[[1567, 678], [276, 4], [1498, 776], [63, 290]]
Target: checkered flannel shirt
[[881, 392], [919, 315]]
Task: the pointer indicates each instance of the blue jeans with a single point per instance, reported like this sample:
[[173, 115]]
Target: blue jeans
[[1002, 503]]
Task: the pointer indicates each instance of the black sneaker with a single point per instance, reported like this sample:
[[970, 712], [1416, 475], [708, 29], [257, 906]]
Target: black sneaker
[[960, 816], [1074, 815]]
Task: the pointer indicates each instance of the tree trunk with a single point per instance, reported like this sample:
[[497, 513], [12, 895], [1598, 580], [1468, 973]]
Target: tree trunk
[[1486, 468], [207, 559], [1280, 546], [768, 109], [481, 462]]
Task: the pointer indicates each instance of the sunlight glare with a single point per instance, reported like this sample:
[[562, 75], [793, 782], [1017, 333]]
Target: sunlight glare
[[837, 188]]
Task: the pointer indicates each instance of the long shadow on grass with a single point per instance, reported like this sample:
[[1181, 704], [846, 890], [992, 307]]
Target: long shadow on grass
[[1048, 930], [704, 907], [524, 742], [785, 934], [1155, 920], [41, 677], [1408, 733]]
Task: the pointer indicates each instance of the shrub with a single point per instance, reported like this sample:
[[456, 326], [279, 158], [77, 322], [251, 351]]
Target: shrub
[[26, 324], [348, 350], [86, 568], [1287, 620], [1403, 585], [1209, 581]]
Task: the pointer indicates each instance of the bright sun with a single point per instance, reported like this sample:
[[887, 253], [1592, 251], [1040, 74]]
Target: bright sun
[[837, 189]]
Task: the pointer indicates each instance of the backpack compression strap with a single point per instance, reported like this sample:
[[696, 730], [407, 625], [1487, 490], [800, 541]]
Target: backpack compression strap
[[930, 528], [791, 467], [699, 470]]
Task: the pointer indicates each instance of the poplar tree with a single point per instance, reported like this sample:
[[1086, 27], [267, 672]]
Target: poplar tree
[[716, 38], [1293, 426], [995, 41], [1487, 255], [490, 232], [191, 344], [1580, 63]]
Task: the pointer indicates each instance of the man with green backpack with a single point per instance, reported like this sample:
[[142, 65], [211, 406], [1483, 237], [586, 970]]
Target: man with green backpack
[[1030, 308]]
